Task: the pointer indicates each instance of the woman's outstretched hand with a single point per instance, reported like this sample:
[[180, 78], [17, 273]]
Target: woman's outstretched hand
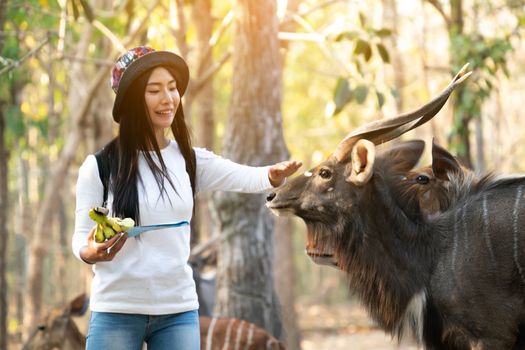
[[280, 171]]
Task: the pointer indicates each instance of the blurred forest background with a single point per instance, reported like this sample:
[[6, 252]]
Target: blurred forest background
[[270, 80]]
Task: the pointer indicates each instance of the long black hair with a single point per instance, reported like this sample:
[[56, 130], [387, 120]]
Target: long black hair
[[136, 134]]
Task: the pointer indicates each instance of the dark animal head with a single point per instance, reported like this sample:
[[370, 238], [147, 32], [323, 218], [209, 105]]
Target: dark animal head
[[327, 196], [426, 191]]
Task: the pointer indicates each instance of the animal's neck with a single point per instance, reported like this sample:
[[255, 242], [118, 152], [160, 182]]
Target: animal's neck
[[388, 260], [73, 339]]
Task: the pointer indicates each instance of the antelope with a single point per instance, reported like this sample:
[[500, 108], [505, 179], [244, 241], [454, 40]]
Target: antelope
[[59, 331], [218, 333], [453, 280], [422, 192], [221, 333]]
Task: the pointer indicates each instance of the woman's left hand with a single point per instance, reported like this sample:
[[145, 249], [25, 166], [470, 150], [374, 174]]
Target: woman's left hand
[[280, 171]]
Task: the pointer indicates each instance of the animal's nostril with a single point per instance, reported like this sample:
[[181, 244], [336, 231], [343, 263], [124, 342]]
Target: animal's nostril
[[271, 196]]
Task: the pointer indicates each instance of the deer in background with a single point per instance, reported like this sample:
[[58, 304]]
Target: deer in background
[[453, 280], [221, 333], [59, 331]]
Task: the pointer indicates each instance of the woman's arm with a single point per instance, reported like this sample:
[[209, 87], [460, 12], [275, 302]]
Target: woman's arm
[[217, 173]]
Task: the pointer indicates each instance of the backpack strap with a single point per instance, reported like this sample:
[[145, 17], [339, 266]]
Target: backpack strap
[[192, 175], [103, 172]]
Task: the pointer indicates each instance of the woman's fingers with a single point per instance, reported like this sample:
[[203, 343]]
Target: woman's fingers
[[116, 243], [278, 172], [291, 167], [106, 250]]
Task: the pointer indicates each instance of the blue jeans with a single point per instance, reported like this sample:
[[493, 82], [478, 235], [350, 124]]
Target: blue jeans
[[116, 331]]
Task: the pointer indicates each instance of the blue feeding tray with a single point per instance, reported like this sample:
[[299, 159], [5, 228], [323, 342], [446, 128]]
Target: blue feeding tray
[[137, 230]]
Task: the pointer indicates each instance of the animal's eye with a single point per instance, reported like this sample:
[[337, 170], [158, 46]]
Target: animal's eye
[[325, 173], [422, 179]]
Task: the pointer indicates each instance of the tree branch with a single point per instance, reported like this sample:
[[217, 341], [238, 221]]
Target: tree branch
[[180, 31], [225, 24], [289, 36], [288, 18], [14, 64], [201, 80], [318, 7], [320, 41], [62, 26], [437, 5], [109, 34], [95, 61]]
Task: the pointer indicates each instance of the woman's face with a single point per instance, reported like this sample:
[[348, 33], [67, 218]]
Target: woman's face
[[162, 99]]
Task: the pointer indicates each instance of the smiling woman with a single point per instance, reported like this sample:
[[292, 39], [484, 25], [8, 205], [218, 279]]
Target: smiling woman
[[143, 289], [162, 99]]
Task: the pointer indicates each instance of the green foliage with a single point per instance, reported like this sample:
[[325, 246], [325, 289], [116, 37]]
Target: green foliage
[[487, 57], [342, 94], [28, 23], [381, 49], [15, 124], [362, 47], [367, 43], [81, 7], [12, 79], [380, 99], [361, 92], [365, 38]]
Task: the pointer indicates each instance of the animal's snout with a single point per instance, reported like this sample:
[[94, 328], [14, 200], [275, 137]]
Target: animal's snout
[[271, 196]]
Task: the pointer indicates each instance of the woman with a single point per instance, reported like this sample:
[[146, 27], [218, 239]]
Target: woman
[[142, 290]]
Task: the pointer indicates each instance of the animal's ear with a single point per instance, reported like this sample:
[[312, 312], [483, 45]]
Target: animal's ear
[[362, 164], [443, 162], [78, 306], [403, 156]]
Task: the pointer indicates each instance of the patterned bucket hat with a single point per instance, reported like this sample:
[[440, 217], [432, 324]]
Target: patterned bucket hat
[[136, 61]]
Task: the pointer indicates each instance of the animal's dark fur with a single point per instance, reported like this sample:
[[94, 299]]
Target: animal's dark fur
[[465, 259]]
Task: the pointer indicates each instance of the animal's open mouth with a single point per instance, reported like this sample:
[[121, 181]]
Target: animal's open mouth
[[279, 210], [321, 258]]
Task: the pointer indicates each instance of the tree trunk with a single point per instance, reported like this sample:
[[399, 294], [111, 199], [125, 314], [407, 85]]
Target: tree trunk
[[480, 146], [284, 269], [253, 136], [38, 250], [202, 112], [4, 195], [101, 127], [461, 120], [4, 234], [285, 279], [203, 102], [21, 224]]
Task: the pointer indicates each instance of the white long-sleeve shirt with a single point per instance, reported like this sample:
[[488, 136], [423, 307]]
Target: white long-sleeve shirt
[[150, 274]]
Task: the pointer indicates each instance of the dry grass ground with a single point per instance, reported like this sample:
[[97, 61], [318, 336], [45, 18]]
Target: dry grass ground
[[344, 326]]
